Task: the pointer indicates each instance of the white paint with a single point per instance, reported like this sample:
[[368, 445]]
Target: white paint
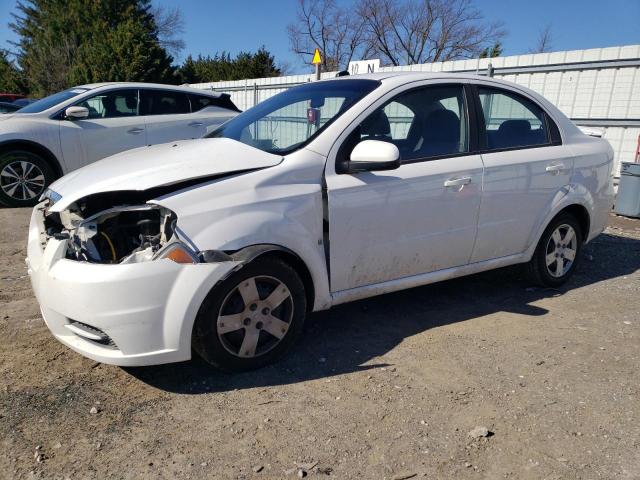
[[375, 151], [160, 165], [388, 230]]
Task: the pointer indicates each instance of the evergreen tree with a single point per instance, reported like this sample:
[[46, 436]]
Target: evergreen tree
[[494, 51], [11, 80], [69, 42], [223, 67]]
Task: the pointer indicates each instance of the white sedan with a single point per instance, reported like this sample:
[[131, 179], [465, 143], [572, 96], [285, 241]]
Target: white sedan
[[329, 192], [75, 127]]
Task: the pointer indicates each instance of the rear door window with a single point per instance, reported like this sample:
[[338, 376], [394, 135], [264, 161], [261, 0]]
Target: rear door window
[[511, 121], [164, 102]]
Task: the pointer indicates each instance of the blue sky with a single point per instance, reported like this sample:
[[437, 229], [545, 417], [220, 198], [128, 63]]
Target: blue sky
[[247, 24]]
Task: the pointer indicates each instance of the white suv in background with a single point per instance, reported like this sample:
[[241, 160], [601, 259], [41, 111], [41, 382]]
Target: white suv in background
[[78, 126]]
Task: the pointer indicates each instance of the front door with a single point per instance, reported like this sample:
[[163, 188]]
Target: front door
[[418, 218], [113, 126]]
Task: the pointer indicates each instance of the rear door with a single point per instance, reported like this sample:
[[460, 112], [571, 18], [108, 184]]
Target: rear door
[[167, 115], [113, 125], [526, 166]]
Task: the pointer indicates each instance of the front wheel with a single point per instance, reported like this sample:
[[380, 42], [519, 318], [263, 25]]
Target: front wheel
[[558, 252], [251, 318], [23, 178]]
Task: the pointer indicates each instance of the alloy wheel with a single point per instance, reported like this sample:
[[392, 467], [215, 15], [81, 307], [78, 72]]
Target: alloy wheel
[[22, 180], [255, 316], [561, 250]]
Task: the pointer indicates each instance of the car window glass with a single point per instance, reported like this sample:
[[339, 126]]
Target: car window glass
[[7, 107], [119, 103], [198, 102], [161, 102], [422, 123], [511, 121], [291, 124], [53, 100], [287, 121], [400, 120]]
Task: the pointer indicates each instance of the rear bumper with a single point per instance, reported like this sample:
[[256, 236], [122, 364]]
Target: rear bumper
[[147, 310]]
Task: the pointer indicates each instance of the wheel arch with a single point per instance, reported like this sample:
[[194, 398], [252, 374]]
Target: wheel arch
[[253, 252], [576, 208], [581, 214], [36, 148]]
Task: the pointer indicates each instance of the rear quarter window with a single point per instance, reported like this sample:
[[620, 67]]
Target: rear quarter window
[[198, 102]]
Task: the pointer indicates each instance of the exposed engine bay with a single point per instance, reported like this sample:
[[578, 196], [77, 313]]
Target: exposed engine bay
[[121, 234]]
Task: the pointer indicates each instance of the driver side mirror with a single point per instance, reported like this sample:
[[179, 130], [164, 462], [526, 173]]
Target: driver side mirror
[[374, 155], [76, 113]]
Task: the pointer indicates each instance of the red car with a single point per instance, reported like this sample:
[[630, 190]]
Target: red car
[[10, 97]]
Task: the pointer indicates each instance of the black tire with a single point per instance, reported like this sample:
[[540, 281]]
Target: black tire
[[14, 192], [218, 349], [537, 269]]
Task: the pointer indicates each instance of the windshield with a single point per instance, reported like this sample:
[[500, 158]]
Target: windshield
[[287, 121], [52, 100]]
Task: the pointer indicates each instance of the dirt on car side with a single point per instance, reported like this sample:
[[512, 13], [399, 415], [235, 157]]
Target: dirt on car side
[[480, 377]]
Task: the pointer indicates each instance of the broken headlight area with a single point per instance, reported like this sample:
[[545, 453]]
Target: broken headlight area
[[120, 235]]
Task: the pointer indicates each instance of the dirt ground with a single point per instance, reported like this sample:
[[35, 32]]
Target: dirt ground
[[386, 388]]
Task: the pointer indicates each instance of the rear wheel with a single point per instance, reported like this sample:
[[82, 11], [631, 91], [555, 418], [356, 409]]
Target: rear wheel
[[23, 178], [252, 318], [558, 252]]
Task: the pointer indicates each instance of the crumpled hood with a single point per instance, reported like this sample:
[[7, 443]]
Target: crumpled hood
[[160, 165]]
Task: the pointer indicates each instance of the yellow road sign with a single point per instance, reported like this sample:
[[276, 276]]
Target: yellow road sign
[[317, 59]]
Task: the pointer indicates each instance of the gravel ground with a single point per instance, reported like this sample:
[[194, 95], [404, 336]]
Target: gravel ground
[[389, 387]]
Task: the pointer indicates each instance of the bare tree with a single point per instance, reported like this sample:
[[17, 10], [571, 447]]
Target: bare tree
[[170, 24], [544, 41], [284, 67], [325, 25], [419, 31]]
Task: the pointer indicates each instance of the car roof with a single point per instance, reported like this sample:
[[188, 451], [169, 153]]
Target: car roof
[[179, 88], [382, 76], [400, 78]]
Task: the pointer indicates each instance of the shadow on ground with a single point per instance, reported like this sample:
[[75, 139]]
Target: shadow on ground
[[352, 335]]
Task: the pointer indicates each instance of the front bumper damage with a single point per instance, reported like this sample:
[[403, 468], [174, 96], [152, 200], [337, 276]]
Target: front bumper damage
[[128, 314]]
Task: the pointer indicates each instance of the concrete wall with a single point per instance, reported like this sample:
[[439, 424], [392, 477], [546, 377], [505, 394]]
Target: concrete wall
[[598, 88]]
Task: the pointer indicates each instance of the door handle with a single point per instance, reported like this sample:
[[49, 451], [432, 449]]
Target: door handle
[[555, 168], [196, 124], [457, 182], [135, 131]]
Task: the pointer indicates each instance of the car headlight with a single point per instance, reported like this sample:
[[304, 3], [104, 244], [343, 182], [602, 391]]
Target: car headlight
[[129, 234], [51, 195]]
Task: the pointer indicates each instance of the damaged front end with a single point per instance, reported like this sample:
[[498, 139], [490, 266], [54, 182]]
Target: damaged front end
[[130, 232]]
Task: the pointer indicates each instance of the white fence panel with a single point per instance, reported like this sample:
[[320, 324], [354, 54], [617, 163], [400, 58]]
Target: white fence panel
[[598, 87]]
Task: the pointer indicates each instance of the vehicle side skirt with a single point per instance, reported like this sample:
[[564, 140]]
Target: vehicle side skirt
[[366, 291]]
